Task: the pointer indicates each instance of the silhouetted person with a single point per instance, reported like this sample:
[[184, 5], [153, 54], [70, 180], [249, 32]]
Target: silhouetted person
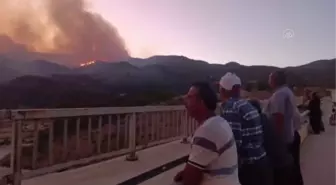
[[315, 113], [326, 107], [213, 156], [245, 121], [282, 110]]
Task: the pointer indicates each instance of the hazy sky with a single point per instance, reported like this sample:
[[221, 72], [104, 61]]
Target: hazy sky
[[218, 31]]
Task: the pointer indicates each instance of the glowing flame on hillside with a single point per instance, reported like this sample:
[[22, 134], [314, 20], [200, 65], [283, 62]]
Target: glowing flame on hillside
[[87, 63]]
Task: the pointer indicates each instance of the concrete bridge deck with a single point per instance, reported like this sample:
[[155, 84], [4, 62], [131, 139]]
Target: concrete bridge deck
[[317, 163], [318, 158], [116, 170]]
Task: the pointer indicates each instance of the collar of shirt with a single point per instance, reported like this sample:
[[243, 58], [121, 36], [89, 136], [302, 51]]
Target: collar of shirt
[[232, 99]]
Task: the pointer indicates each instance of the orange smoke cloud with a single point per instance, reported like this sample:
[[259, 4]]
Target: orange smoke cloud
[[59, 30]]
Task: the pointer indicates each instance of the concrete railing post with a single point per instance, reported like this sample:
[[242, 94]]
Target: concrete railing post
[[304, 130], [185, 129], [16, 152], [132, 139]]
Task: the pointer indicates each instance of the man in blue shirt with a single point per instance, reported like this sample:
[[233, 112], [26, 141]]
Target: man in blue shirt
[[245, 121]]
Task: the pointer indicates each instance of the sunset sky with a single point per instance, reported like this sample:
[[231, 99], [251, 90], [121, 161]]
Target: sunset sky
[[218, 31]]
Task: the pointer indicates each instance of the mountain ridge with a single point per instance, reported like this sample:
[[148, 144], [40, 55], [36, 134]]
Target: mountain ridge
[[168, 69], [43, 84]]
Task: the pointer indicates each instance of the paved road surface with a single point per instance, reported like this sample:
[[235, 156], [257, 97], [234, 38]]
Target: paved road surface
[[318, 158], [317, 161], [116, 170], [317, 164]]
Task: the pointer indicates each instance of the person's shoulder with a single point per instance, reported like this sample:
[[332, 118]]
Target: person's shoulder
[[228, 104], [214, 122], [282, 93], [244, 106], [288, 91], [238, 104], [214, 127]]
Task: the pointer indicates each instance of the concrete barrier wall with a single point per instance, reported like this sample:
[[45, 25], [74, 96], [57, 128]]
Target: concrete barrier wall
[[304, 132]]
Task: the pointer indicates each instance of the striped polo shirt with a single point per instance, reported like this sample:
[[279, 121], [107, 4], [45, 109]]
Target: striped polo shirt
[[213, 150], [246, 125]]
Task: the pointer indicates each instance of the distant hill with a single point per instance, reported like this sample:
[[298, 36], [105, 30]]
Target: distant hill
[[170, 70], [102, 83], [11, 69]]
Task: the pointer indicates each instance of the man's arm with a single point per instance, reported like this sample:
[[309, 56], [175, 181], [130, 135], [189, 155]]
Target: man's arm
[[251, 125], [279, 121], [235, 125], [203, 152], [277, 110], [191, 175]]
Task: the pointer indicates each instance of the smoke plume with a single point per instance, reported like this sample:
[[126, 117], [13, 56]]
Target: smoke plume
[[62, 30]]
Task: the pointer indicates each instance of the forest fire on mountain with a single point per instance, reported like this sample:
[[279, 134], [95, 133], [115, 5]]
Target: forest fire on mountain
[[87, 63], [64, 31]]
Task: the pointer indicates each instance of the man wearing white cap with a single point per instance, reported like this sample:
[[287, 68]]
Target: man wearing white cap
[[246, 125]]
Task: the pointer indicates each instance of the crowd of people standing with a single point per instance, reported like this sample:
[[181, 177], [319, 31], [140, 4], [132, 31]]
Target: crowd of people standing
[[245, 144]]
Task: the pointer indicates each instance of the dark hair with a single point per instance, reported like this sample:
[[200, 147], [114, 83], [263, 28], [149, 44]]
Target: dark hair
[[280, 77], [207, 94], [315, 96]]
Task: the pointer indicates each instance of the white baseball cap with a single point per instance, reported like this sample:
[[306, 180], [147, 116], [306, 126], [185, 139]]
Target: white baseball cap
[[229, 80]]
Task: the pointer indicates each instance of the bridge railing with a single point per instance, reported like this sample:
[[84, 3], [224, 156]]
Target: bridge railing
[[51, 140]]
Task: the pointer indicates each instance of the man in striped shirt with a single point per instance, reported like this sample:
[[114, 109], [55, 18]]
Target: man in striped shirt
[[245, 121], [213, 156]]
